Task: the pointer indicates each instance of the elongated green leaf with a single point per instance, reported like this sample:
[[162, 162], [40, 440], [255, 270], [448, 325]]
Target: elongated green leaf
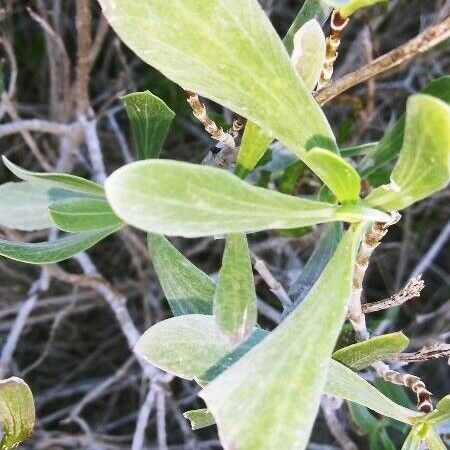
[[83, 214], [253, 146], [187, 289], [348, 385], [24, 205], [433, 440], [322, 254], [391, 144], [235, 297], [308, 56], [175, 198], [441, 412], [193, 347], [17, 414], [412, 442], [255, 140], [56, 180], [150, 119], [199, 418], [348, 7], [229, 358], [54, 251], [362, 354], [318, 10], [342, 179], [424, 163], [185, 345], [290, 364], [234, 57]]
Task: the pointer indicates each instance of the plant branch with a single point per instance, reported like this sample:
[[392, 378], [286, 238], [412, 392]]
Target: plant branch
[[412, 290], [431, 37]]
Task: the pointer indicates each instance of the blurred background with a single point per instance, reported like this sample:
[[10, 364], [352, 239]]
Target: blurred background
[[88, 388]]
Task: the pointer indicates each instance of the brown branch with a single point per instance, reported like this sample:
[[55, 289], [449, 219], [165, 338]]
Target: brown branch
[[431, 37], [412, 290], [84, 48], [432, 352]]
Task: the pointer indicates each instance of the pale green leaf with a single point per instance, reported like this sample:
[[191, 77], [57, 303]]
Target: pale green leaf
[[441, 413], [150, 119], [17, 414], [24, 205], [346, 384], [199, 418], [235, 297], [82, 214], [185, 345], [342, 179], [433, 440], [260, 393], [255, 140], [308, 56], [229, 52], [424, 164], [187, 289], [412, 442], [53, 251], [193, 347], [312, 270], [181, 199], [253, 146], [362, 354], [391, 144], [56, 180], [318, 10], [348, 7]]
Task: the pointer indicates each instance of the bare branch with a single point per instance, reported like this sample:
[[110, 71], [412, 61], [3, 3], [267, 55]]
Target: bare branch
[[431, 37], [412, 290]]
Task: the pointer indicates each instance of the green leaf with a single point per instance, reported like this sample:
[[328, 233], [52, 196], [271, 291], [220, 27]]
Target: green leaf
[[433, 440], [311, 9], [187, 289], [290, 364], [441, 412], [424, 164], [199, 418], [308, 56], [17, 414], [253, 146], [56, 180], [362, 354], [342, 179], [185, 345], [389, 147], [83, 214], [228, 52], [24, 205], [150, 120], [346, 384], [255, 140], [181, 199], [54, 251], [412, 442], [312, 270], [349, 7], [229, 358], [235, 297]]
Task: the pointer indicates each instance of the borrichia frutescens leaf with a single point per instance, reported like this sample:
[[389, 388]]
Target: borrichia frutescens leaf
[[17, 414], [424, 163], [181, 199], [265, 89]]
